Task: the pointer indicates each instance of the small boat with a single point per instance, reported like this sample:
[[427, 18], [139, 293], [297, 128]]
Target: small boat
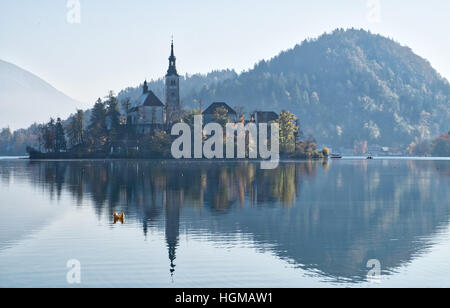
[[335, 156]]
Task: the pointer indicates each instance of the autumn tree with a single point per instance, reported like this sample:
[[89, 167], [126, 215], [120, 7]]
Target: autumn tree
[[288, 131]]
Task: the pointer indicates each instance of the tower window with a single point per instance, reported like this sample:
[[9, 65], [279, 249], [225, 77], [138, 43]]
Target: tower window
[[173, 83]]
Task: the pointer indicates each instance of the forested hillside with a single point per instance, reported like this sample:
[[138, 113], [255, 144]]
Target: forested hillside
[[346, 86]]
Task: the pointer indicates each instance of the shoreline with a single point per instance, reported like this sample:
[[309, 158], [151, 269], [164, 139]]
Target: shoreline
[[282, 160]]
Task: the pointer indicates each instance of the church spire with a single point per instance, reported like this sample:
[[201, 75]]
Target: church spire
[[173, 106], [172, 54], [172, 63], [145, 88]]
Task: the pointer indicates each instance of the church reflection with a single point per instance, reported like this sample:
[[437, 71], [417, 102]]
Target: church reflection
[[324, 217], [172, 226]]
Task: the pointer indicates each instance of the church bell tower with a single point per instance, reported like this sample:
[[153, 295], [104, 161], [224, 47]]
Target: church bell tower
[[173, 106]]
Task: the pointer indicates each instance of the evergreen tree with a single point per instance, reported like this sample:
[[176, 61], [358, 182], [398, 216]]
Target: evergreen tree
[[48, 134], [113, 116], [75, 129], [97, 128], [60, 137]]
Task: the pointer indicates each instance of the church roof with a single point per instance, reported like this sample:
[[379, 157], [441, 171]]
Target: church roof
[[212, 109], [266, 116], [148, 99]]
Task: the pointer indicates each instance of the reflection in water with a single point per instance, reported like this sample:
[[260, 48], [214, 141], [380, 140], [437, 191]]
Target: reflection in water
[[329, 218], [173, 203]]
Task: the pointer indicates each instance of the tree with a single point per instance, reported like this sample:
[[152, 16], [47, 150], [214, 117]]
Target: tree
[[221, 116], [19, 141], [299, 135], [420, 148], [41, 134], [16, 143], [113, 115], [113, 110], [156, 145], [126, 107], [240, 110], [188, 118], [98, 133], [5, 140], [307, 149], [75, 129], [6, 134], [60, 137], [49, 136], [440, 147], [288, 130]]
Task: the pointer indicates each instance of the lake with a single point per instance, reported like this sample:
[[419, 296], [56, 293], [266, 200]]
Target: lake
[[225, 224]]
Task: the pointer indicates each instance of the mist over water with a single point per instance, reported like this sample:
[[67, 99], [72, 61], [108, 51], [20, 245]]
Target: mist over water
[[210, 224]]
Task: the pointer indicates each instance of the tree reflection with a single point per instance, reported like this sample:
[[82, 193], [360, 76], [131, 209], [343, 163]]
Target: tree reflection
[[328, 217]]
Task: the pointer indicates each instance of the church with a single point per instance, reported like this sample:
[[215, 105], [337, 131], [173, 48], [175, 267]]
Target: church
[[149, 113]]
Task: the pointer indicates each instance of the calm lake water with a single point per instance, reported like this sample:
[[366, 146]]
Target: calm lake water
[[210, 224]]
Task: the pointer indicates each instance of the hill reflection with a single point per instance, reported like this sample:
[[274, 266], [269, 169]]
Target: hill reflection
[[327, 218]]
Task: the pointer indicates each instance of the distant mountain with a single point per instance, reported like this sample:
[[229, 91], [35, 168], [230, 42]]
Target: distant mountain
[[346, 86], [25, 98]]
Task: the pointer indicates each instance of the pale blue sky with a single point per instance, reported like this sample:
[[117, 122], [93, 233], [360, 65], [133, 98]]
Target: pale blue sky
[[119, 43]]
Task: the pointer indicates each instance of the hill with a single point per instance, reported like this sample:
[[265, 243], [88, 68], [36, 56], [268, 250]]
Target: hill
[[345, 86], [26, 99]]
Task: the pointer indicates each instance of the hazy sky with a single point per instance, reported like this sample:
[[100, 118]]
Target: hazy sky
[[118, 43]]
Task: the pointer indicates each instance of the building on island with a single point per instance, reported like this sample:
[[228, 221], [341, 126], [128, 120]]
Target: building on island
[[173, 104], [263, 117], [208, 114], [148, 112]]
